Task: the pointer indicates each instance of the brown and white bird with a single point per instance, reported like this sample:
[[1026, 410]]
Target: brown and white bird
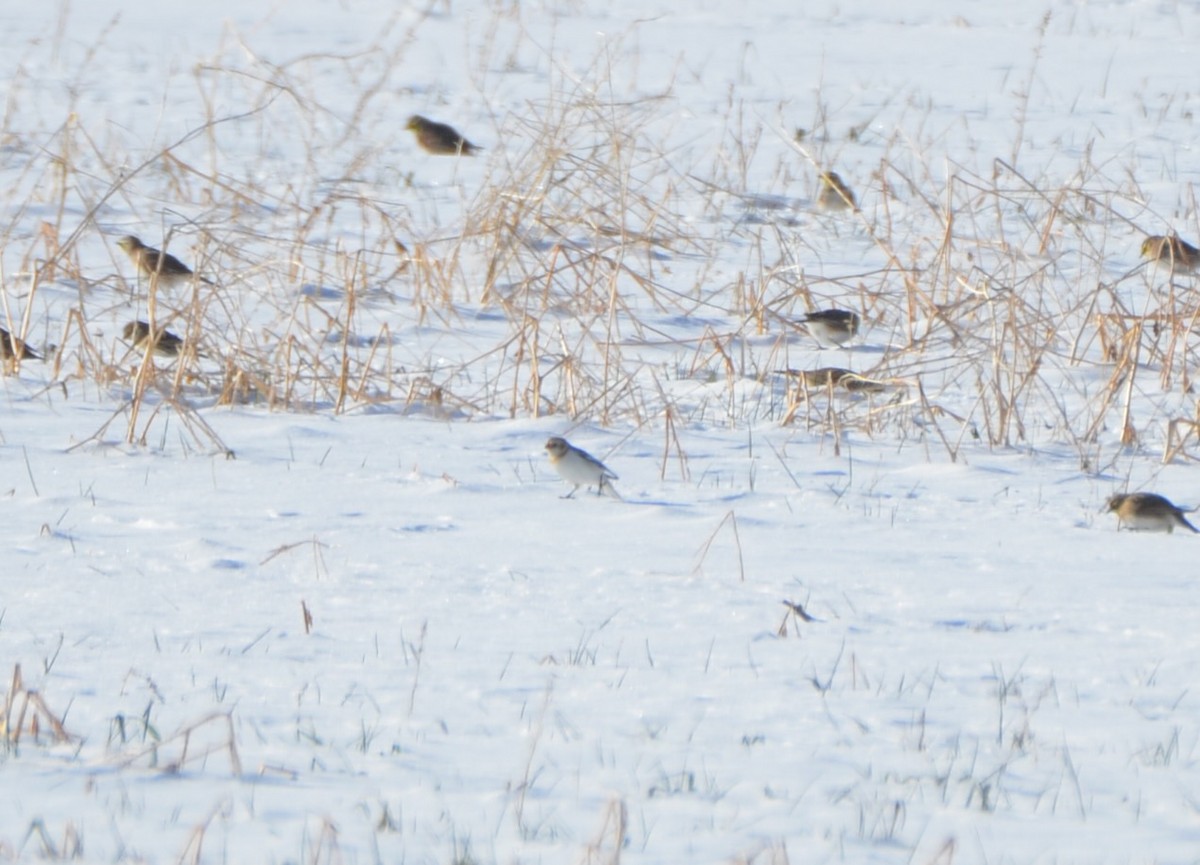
[[440, 138], [1147, 512], [163, 343], [11, 348], [834, 193], [154, 264], [832, 326], [579, 467], [836, 377], [1171, 251]]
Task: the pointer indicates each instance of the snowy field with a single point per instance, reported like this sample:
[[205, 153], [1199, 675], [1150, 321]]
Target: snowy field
[[308, 593]]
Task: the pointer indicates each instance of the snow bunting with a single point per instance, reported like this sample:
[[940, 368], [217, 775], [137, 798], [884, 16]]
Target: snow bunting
[[1172, 251], [8, 343], [579, 467], [165, 343], [1147, 512], [439, 138], [154, 264], [834, 193], [832, 326]]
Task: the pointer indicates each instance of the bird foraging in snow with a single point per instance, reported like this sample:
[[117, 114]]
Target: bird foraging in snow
[[1147, 512], [832, 326], [162, 343], [834, 193], [11, 348], [439, 138], [157, 265], [1171, 251], [579, 467], [835, 377]]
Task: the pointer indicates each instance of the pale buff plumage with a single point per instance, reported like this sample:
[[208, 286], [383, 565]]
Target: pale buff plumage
[[1147, 512], [1171, 251], [835, 194], [155, 264], [165, 343], [836, 377]]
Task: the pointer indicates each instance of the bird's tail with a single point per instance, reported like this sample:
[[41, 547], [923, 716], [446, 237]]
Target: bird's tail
[[606, 486]]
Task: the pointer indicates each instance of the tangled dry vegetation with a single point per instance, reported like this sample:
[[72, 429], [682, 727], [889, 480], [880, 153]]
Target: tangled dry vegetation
[[593, 263]]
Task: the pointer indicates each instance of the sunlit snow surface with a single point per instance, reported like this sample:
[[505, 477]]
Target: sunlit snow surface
[[992, 673]]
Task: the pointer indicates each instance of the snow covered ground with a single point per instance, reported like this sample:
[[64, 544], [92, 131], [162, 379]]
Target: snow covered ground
[[310, 594]]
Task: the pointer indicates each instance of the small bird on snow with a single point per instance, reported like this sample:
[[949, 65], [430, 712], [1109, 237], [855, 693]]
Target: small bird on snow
[[834, 193], [833, 376], [155, 264], [832, 326], [165, 343], [1171, 251], [579, 467], [6, 348], [439, 138], [1147, 512]]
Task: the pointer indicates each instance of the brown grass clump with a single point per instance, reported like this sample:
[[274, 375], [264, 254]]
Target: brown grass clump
[[26, 715], [596, 260]]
